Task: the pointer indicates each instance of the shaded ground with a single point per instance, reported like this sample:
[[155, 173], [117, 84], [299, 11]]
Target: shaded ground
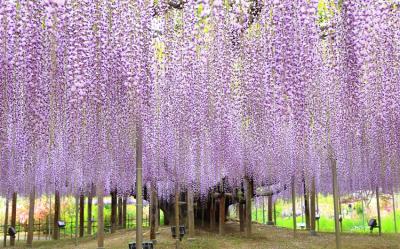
[[263, 237]]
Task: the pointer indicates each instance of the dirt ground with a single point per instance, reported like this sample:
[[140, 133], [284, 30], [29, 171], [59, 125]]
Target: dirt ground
[[263, 237]]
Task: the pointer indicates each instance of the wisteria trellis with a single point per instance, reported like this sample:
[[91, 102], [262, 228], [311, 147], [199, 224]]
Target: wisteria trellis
[[221, 88]]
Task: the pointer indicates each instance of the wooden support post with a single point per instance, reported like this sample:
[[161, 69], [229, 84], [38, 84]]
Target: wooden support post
[[113, 211], [76, 218], [81, 215], [312, 206], [249, 195], [139, 188], [263, 209], [56, 229], [270, 222], [13, 216], [241, 216], [190, 213], [177, 223], [89, 212], [153, 212], [212, 214], [378, 209], [31, 218], [275, 222], [294, 207], [394, 212], [306, 205], [335, 201], [100, 216], [5, 224], [124, 211], [120, 220], [222, 214], [316, 200]]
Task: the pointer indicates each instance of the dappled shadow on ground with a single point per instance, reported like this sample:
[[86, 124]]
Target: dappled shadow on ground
[[263, 237]]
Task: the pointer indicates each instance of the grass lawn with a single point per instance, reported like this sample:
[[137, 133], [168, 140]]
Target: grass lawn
[[263, 237]]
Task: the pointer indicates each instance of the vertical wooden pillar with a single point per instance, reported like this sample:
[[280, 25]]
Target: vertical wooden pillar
[[249, 195], [100, 216], [336, 202], [294, 207], [120, 214], [190, 210], [76, 218], [124, 212], [56, 229], [177, 215], [394, 212], [312, 206], [81, 215], [113, 211], [13, 216], [263, 209], [153, 212], [241, 216], [5, 224], [378, 209], [306, 205], [212, 213], [31, 218], [222, 214], [139, 187], [89, 212], [275, 222], [270, 222]]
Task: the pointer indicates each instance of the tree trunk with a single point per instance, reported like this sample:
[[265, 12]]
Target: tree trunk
[[222, 214], [378, 209], [31, 218], [212, 214], [306, 205], [241, 216], [190, 210], [56, 229], [177, 215], [249, 195], [120, 220], [124, 211], [335, 191], [89, 212], [139, 187], [5, 224], [113, 211], [100, 217], [81, 216], [270, 221], [13, 216], [153, 212], [294, 207], [312, 211]]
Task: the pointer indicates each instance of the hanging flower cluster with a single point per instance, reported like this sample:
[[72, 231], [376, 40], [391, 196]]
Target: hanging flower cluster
[[221, 90]]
